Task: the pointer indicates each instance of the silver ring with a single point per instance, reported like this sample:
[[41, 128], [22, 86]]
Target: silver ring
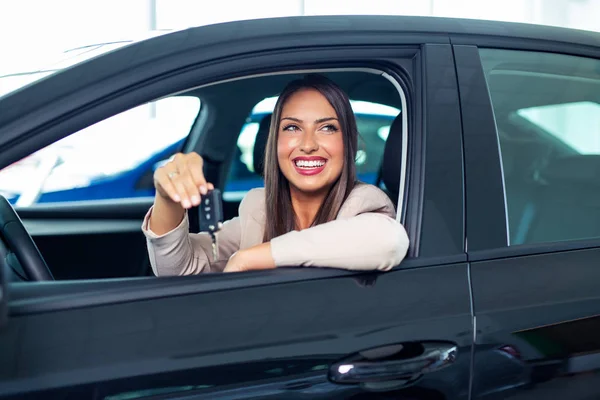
[[173, 174]]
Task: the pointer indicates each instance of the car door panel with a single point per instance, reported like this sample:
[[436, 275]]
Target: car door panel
[[267, 333], [548, 315], [202, 343], [536, 305]]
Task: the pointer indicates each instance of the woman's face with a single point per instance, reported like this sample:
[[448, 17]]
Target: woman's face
[[310, 147]]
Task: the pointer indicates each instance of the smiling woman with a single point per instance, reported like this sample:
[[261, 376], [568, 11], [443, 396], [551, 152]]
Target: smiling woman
[[315, 147], [312, 212]]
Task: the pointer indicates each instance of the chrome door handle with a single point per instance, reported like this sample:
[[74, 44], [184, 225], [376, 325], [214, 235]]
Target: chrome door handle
[[365, 367]]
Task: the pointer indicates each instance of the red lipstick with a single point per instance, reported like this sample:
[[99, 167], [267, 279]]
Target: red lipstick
[[309, 165]]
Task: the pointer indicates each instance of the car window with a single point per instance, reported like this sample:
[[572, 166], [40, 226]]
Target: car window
[[547, 110], [107, 160], [373, 122]]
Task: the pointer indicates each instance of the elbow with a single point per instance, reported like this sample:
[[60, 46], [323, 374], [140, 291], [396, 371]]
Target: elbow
[[395, 245]]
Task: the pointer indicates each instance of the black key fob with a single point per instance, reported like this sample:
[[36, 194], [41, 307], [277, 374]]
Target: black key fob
[[211, 211]]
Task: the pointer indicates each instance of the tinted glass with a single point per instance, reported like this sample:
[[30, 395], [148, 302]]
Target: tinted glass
[[547, 110]]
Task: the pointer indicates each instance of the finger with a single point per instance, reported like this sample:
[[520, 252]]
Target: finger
[[210, 186], [177, 178], [190, 187], [184, 182], [162, 180], [181, 190], [194, 165]]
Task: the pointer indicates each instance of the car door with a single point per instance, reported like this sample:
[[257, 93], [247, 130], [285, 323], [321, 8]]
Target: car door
[[531, 113], [290, 333]]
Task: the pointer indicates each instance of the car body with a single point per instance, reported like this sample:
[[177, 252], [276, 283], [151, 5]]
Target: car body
[[497, 297]]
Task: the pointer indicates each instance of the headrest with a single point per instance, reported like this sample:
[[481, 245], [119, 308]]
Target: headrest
[[392, 157], [580, 169], [260, 144]]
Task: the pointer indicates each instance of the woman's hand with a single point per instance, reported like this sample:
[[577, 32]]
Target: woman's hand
[[253, 258], [181, 180], [179, 186]]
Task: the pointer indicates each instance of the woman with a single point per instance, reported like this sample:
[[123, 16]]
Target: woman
[[312, 211]]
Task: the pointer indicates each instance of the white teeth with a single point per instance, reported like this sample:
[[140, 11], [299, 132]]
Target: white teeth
[[310, 164]]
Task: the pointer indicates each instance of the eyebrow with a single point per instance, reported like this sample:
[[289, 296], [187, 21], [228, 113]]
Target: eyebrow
[[318, 121]]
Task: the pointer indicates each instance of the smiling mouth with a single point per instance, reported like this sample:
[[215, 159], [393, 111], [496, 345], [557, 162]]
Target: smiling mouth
[[309, 167], [309, 164]]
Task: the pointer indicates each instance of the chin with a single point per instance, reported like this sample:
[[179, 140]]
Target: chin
[[311, 187]]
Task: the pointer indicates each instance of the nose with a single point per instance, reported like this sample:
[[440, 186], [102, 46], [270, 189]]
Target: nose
[[309, 142]]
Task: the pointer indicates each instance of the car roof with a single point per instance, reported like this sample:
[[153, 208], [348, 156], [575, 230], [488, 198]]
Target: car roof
[[281, 26], [223, 39]]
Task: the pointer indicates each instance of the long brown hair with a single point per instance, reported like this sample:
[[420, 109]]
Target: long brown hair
[[280, 215]]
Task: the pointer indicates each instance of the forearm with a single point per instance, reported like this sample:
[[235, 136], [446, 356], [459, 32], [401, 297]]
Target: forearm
[[368, 241], [178, 252], [253, 258]]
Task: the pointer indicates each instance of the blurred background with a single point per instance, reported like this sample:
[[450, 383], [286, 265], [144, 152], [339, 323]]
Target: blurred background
[[33, 31], [41, 37]]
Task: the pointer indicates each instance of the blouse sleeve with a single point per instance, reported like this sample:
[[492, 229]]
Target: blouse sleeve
[[365, 236], [179, 252], [369, 241]]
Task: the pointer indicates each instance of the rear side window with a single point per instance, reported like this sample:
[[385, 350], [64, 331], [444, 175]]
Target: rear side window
[[547, 110], [373, 122]]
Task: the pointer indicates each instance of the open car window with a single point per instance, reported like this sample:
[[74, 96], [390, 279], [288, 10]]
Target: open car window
[[373, 121], [108, 160]]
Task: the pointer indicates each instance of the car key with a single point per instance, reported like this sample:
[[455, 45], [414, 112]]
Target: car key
[[211, 211], [211, 216]]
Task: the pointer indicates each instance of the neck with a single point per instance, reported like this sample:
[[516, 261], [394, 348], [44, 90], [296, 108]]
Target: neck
[[306, 206]]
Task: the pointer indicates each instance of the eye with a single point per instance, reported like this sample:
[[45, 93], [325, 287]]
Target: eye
[[290, 128], [329, 128]]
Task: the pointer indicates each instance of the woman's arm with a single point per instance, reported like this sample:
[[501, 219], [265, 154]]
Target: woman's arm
[[180, 184], [368, 241], [179, 252], [365, 236], [253, 258]]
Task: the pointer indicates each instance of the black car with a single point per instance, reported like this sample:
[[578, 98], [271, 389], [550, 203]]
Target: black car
[[493, 163]]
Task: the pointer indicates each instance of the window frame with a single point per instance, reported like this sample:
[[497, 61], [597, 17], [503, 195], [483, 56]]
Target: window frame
[[487, 217], [140, 289], [329, 58]]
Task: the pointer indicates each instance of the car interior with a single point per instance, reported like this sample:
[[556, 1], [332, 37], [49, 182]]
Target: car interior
[[552, 188], [225, 108]]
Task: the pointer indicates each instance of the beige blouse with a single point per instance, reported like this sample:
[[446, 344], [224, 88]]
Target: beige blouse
[[364, 236]]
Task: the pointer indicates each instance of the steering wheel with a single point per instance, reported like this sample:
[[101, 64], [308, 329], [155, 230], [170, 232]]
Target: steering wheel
[[17, 239]]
